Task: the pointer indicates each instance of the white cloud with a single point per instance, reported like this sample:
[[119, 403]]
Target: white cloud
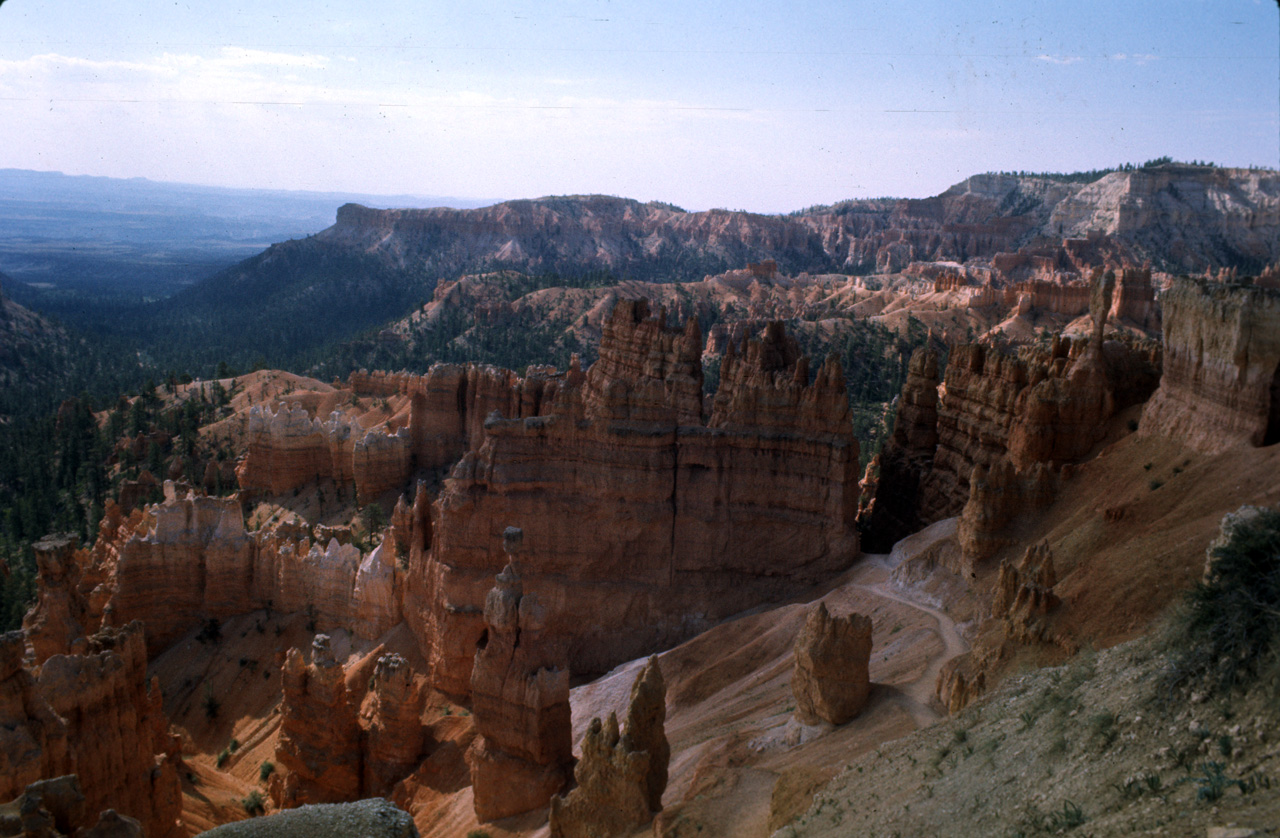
[[1060, 59]]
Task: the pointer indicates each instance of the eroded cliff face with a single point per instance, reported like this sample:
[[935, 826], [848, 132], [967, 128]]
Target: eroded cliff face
[[190, 559], [1004, 415], [1221, 382], [96, 715], [520, 696], [1188, 216], [641, 529], [288, 449]]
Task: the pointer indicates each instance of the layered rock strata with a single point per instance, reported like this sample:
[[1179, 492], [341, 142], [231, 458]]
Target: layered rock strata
[[1221, 382], [320, 740], [831, 680], [1038, 405], [287, 448], [644, 523], [190, 559], [520, 698], [94, 715], [621, 775]]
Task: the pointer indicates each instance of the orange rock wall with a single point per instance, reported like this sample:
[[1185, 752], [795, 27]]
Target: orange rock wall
[[95, 715], [190, 559], [641, 530], [1036, 405], [1221, 382]]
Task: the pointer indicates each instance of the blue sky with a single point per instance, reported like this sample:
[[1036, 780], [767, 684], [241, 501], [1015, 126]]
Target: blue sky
[[762, 106]]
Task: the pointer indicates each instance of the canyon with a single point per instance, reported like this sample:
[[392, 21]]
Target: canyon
[[446, 587]]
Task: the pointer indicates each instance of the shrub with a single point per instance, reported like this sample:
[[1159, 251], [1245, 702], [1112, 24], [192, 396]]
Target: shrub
[[1233, 616], [210, 632], [255, 804], [211, 704], [222, 758], [266, 770]]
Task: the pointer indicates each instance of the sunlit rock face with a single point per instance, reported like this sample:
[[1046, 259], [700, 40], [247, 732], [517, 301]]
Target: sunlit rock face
[[1221, 382]]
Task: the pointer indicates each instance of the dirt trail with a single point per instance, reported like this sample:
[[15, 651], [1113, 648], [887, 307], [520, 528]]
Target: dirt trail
[[918, 696]]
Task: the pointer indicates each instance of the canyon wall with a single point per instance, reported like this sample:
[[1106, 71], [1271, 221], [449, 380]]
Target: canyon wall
[[1221, 382], [643, 523], [94, 714], [1001, 414], [287, 449], [181, 562]]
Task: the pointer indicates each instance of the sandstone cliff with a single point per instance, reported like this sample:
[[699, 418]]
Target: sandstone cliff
[[1002, 414], [520, 697], [641, 529], [1221, 382], [97, 716]]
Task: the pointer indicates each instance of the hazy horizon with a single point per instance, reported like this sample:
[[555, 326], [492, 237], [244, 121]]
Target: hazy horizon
[[743, 106]]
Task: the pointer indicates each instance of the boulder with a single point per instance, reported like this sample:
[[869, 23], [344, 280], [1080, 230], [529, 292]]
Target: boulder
[[831, 681]]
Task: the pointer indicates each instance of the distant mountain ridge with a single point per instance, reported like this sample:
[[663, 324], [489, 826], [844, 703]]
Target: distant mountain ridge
[[373, 265], [1181, 218]]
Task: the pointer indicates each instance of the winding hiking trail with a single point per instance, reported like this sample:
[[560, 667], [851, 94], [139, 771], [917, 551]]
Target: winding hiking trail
[[917, 698]]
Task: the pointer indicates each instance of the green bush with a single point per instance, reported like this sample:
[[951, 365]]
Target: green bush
[[266, 769], [1234, 614], [255, 804]]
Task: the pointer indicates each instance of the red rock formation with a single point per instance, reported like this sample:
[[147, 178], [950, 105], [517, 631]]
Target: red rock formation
[[319, 746], [1135, 298], [1221, 382], [520, 698], [57, 619], [288, 449], [396, 740], [650, 528], [448, 406], [621, 775], [190, 559], [94, 715], [1042, 405], [831, 680], [1024, 594], [996, 497], [959, 683]]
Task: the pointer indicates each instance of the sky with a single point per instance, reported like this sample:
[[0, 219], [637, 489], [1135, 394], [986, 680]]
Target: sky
[[768, 107]]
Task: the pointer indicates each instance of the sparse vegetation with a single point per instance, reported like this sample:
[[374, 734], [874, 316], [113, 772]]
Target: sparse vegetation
[[255, 803], [265, 770], [1232, 620], [211, 703]]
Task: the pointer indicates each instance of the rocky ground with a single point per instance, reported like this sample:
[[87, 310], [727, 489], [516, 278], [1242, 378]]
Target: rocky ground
[[1091, 748]]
